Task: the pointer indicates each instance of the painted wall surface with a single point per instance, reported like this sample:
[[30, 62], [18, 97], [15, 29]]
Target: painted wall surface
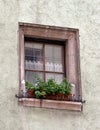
[[81, 14]]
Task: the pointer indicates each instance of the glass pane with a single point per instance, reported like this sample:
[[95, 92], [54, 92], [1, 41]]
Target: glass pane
[[32, 76], [49, 76], [53, 58], [58, 52], [33, 56], [57, 77]]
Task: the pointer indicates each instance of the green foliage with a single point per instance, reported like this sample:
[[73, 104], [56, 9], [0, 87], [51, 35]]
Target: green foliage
[[65, 87], [39, 94], [40, 89], [50, 87], [29, 86]]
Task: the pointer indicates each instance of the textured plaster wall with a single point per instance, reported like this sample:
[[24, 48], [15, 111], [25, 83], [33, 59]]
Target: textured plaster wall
[[81, 14], [9, 114]]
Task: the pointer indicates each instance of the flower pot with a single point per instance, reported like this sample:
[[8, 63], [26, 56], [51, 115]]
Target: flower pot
[[70, 97], [48, 96], [59, 96], [30, 93], [53, 96], [65, 97]]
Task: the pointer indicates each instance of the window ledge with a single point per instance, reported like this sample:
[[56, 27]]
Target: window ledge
[[42, 103]]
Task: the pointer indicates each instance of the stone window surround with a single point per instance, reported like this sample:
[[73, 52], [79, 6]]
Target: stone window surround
[[71, 37]]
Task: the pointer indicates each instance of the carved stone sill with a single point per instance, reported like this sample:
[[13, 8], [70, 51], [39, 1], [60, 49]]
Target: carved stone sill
[[42, 103]]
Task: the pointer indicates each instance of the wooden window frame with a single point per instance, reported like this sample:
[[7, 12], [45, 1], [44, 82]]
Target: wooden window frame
[[71, 37], [44, 71]]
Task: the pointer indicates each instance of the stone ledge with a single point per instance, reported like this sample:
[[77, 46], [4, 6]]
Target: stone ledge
[[43, 103]]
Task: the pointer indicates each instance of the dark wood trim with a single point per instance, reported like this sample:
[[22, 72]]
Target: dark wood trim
[[44, 71]]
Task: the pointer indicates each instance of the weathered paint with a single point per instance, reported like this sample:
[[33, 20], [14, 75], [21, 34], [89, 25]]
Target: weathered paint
[[68, 13]]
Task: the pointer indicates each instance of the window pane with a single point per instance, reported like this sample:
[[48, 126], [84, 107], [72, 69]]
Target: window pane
[[33, 56], [57, 77], [53, 58], [49, 76], [32, 76]]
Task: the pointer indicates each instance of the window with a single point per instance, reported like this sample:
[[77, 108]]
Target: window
[[44, 59], [49, 52]]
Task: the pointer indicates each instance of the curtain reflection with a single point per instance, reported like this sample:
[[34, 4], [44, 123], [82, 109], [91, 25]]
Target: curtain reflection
[[33, 56], [53, 58]]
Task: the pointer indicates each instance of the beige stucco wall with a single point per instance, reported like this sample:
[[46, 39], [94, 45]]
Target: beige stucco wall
[[81, 14]]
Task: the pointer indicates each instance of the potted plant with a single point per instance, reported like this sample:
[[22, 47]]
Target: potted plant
[[49, 89], [65, 90], [30, 89], [40, 89]]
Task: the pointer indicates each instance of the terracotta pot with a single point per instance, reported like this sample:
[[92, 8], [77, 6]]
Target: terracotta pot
[[30, 93], [70, 97], [51, 97], [54, 96], [65, 98], [60, 96], [48, 96]]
